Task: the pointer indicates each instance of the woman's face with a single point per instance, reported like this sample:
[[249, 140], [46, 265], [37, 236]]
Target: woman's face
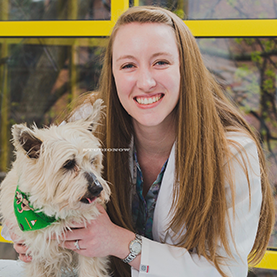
[[146, 71]]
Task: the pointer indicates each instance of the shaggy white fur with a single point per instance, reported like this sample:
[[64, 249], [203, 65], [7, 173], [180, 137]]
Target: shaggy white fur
[[53, 166]]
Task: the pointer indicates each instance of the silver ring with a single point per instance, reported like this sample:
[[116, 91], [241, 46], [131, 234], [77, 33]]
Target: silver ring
[[76, 243]]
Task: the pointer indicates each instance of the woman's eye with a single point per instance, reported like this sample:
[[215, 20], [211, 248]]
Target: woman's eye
[[161, 63], [70, 164], [127, 66]]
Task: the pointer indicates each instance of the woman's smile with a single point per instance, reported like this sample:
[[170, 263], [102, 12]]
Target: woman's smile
[[148, 100]]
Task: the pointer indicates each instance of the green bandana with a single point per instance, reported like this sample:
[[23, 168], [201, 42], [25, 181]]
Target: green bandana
[[28, 218]]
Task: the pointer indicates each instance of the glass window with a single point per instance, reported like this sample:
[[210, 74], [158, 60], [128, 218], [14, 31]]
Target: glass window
[[39, 77], [219, 9], [227, 9], [55, 9], [247, 69], [257, 272]]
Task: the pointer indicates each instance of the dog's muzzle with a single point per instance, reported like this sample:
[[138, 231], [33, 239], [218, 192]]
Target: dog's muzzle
[[93, 190]]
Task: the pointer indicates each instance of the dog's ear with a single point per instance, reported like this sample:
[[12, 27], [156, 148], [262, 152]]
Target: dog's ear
[[89, 115], [25, 138], [95, 116]]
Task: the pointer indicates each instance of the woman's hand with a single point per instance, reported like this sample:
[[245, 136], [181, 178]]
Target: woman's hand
[[20, 248], [99, 238]]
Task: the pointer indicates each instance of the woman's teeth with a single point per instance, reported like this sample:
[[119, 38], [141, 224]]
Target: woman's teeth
[[148, 100]]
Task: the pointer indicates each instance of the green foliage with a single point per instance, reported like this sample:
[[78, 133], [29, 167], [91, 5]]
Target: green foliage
[[180, 13], [268, 85], [242, 71], [15, 104], [256, 57], [253, 89], [249, 41], [267, 120], [263, 132], [268, 45], [264, 114], [270, 73], [239, 40], [12, 122], [69, 98], [247, 94]]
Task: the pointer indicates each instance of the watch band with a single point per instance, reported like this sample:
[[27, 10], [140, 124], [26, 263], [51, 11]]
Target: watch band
[[129, 258], [132, 255]]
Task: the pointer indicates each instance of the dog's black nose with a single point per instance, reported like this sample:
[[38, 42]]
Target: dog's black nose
[[94, 185], [93, 190]]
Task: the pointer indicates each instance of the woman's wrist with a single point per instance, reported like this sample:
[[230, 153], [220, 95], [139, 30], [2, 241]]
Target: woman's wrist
[[121, 247], [122, 240]]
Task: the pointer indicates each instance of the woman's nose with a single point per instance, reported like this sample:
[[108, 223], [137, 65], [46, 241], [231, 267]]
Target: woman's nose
[[146, 81]]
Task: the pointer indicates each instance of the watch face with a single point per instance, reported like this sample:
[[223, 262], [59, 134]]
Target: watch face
[[135, 247]]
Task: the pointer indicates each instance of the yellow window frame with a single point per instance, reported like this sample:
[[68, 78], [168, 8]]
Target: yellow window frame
[[101, 28]]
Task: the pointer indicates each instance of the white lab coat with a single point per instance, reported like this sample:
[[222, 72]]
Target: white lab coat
[[165, 260]]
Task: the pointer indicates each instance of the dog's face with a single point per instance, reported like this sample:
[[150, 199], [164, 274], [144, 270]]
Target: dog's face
[[61, 166]]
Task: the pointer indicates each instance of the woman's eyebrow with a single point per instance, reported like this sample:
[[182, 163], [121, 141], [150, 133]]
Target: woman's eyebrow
[[125, 57], [162, 54], [153, 56]]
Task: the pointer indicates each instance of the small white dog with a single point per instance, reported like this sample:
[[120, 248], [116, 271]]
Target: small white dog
[[55, 180]]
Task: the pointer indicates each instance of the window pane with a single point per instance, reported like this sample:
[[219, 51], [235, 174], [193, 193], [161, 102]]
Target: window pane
[[257, 272], [218, 9], [247, 69], [54, 9], [223, 9], [39, 77]]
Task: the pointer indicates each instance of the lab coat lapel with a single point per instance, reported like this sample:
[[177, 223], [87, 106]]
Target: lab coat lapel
[[162, 214]]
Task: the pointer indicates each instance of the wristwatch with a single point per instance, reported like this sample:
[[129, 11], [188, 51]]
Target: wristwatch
[[135, 249]]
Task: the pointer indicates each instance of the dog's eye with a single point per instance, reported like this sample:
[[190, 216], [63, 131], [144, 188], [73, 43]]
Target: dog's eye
[[92, 161], [69, 164]]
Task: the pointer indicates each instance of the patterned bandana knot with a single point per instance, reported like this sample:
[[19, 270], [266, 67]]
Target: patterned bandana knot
[[28, 218]]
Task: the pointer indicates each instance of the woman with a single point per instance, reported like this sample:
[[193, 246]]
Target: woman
[[210, 210]]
